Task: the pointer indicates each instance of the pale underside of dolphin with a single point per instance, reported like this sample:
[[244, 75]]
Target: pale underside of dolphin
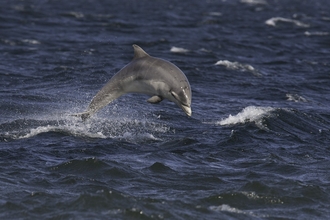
[[148, 75]]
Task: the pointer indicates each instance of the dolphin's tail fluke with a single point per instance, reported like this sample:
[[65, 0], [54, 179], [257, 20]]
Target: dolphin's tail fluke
[[83, 115]]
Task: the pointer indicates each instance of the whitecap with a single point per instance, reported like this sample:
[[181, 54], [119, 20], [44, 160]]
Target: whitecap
[[76, 14], [215, 13], [228, 208], [267, 198], [295, 98], [238, 66], [205, 50], [248, 114], [179, 50], [9, 42], [274, 21], [326, 18], [316, 33], [254, 2], [31, 41]]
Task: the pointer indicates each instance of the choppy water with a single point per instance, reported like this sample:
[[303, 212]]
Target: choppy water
[[256, 147]]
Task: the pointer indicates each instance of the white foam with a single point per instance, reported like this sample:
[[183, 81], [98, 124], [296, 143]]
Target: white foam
[[227, 208], [275, 20], [215, 13], [267, 198], [254, 2], [9, 42], [179, 50], [295, 98], [316, 33], [248, 114], [129, 136], [237, 66], [76, 14], [31, 41]]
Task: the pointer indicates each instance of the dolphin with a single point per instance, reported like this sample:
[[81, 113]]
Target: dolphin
[[145, 74]]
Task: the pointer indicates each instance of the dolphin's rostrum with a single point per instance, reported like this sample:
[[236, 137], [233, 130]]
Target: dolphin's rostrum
[[148, 75]]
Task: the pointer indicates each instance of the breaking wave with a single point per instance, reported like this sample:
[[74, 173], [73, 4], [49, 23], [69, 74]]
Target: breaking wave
[[249, 114]]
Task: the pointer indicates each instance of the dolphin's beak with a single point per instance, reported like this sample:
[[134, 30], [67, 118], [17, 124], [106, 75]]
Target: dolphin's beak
[[186, 109]]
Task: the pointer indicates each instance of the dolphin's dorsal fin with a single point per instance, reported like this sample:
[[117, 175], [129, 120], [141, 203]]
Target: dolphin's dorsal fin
[[139, 52]]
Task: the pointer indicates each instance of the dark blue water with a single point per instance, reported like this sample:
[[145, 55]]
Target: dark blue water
[[256, 147]]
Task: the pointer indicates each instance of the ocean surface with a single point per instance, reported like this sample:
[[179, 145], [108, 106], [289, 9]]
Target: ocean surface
[[256, 147]]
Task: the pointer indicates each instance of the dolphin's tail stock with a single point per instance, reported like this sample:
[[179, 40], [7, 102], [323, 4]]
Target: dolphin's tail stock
[[83, 115]]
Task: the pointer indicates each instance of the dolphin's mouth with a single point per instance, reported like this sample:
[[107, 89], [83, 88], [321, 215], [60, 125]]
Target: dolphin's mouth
[[186, 109]]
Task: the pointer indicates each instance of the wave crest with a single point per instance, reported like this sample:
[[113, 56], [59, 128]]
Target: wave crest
[[248, 114], [275, 20], [238, 66]]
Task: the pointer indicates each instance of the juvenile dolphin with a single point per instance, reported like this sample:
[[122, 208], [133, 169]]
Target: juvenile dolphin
[[148, 75]]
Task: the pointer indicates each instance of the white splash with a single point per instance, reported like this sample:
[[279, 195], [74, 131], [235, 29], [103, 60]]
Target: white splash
[[129, 136], [179, 50], [275, 20], [120, 127], [237, 66], [248, 114], [70, 129]]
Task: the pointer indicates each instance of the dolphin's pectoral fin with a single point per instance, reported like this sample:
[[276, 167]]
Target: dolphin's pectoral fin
[[155, 99]]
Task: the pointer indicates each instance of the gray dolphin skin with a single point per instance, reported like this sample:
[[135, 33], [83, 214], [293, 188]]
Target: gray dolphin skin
[[148, 75]]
